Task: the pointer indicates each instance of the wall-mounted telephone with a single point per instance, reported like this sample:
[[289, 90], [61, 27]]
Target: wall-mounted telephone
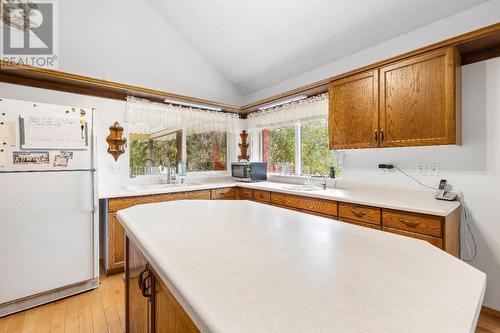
[[443, 193]]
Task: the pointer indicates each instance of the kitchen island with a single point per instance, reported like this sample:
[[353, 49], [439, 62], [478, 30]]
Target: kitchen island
[[408, 212], [241, 266]]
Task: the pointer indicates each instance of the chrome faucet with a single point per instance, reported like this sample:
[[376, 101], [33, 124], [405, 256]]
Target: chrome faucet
[[165, 164], [151, 164], [322, 176]]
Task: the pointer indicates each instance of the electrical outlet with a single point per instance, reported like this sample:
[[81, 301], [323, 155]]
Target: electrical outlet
[[434, 169], [420, 169]]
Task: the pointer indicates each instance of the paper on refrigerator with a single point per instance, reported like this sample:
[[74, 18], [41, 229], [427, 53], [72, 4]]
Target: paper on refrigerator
[[7, 133]]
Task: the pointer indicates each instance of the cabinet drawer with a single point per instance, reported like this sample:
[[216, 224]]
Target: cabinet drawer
[[224, 193], [245, 193], [116, 204], [362, 224], [304, 203], [438, 242], [122, 203], [262, 196], [365, 214], [419, 223]]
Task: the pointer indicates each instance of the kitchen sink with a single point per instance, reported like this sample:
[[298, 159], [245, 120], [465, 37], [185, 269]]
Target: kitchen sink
[[156, 187], [302, 188]]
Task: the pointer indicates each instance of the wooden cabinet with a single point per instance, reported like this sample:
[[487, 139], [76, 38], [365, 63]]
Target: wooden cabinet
[[442, 232], [436, 241], [245, 193], [418, 100], [115, 234], [413, 102], [169, 315], [224, 193], [365, 214], [303, 203], [353, 111], [116, 237], [262, 196], [419, 223], [150, 307], [138, 285]]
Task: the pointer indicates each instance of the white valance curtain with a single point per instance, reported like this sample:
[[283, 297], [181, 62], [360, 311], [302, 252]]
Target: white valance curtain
[[145, 117], [310, 108]]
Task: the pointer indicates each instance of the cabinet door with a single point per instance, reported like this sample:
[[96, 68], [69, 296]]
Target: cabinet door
[[418, 100], [353, 111], [137, 306], [116, 247], [169, 316]]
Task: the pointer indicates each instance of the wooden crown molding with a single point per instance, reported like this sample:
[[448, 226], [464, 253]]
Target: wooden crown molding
[[474, 46], [58, 80]]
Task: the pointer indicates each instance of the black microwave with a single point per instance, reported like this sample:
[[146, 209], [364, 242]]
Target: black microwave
[[249, 171]]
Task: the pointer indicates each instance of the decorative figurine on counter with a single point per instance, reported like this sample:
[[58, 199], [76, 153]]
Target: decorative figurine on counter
[[243, 146], [116, 141]]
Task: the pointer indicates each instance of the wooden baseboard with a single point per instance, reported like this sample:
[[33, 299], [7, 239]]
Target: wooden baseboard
[[490, 312], [47, 297], [113, 271]]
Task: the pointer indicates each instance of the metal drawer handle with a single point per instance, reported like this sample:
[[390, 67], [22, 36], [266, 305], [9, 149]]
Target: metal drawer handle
[[144, 287], [141, 277], [358, 213], [376, 135], [409, 223]]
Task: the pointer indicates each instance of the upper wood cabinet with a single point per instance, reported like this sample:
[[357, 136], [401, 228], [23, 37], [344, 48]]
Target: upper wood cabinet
[[418, 104], [353, 114], [412, 102]]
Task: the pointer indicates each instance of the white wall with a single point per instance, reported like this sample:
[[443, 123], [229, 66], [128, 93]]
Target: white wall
[[129, 42], [469, 20]]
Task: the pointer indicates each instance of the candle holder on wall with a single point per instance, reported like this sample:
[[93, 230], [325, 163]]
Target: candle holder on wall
[[243, 147], [116, 141]]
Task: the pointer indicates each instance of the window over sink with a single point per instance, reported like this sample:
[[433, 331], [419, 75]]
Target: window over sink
[[204, 151], [169, 133], [293, 138]]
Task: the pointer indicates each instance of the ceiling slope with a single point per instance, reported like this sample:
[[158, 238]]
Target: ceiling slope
[[258, 43]]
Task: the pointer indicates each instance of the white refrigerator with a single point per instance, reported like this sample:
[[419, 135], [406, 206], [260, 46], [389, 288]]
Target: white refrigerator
[[48, 203]]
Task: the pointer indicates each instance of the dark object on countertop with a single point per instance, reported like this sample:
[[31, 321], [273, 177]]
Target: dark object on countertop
[[332, 172], [443, 193], [386, 166], [249, 172]]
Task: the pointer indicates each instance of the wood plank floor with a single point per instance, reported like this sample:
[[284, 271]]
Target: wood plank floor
[[96, 311], [103, 310]]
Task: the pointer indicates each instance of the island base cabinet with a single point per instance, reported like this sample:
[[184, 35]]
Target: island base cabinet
[[150, 307], [138, 285], [169, 316]]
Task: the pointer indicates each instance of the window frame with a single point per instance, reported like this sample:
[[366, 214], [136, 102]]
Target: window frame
[[183, 155], [256, 134]]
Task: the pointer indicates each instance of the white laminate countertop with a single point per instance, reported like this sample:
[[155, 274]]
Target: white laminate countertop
[[413, 200], [241, 266]]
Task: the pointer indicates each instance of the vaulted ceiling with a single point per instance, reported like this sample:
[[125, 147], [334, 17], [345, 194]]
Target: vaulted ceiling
[[258, 43]]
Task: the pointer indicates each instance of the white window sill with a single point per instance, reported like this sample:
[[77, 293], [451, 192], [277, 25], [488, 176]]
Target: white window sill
[[297, 179], [197, 174]]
